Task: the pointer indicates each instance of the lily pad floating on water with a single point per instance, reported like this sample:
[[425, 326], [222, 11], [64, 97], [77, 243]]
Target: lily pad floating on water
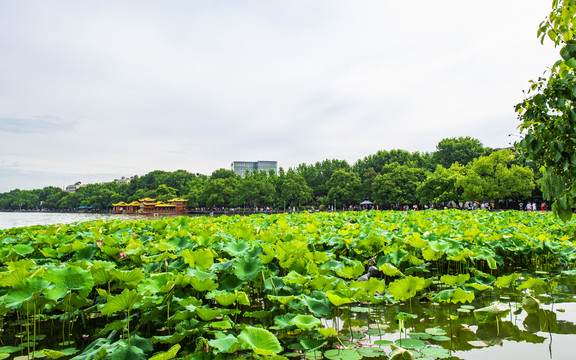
[[436, 352], [410, 343], [478, 343], [435, 331], [419, 335], [370, 352], [313, 355], [383, 342], [344, 354]]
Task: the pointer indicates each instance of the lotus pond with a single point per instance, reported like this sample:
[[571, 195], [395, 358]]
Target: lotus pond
[[443, 284]]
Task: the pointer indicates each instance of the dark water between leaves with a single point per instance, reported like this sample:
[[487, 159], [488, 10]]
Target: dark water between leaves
[[449, 331]]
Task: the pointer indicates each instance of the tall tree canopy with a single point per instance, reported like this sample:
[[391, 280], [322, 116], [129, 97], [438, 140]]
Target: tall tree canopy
[[548, 114], [461, 150]]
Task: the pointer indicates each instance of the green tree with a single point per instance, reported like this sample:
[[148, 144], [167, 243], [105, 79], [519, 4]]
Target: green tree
[[219, 192], [165, 193], [254, 192], [548, 114], [223, 174], [318, 175], [440, 186], [344, 188], [398, 184], [496, 177], [294, 190], [461, 150]]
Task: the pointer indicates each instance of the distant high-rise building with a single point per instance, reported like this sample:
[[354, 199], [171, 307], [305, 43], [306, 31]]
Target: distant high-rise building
[[240, 167]]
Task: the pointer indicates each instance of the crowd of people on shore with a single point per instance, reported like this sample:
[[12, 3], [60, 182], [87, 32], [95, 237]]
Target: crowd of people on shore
[[532, 207]]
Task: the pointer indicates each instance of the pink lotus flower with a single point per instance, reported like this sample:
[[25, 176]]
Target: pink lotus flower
[[99, 242], [338, 346], [133, 234], [122, 255]]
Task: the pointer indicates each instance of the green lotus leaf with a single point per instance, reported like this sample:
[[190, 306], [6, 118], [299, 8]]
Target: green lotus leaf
[[22, 249], [532, 283], [96, 350], [261, 341], [311, 343], [490, 313], [123, 302], [141, 343], [284, 322], [313, 355], [406, 288], [247, 269], [336, 299], [208, 314], [100, 275], [507, 280], [350, 272], [130, 278], [242, 298], [154, 283], [419, 335], [236, 247], [222, 297], [436, 352], [155, 258], [440, 338], [318, 303], [9, 349], [478, 343], [399, 353], [383, 342], [454, 280], [201, 259], [305, 322], [13, 277], [226, 344], [405, 316], [390, 270], [203, 285], [221, 325], [27, 290], [20, 264], [282, 299], [126, 353], [371, 352], [344, 354], [530, 304], [371, 286], [479, 287], [69, 278], [435, 331], [167, 355], [454, 296], [326, 332], [200, 274], [172, 339]]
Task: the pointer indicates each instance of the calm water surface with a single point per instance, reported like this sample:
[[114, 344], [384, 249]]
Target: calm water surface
[[19, 219]]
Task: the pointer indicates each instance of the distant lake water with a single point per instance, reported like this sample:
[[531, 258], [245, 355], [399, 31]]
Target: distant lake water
[[19, 219]]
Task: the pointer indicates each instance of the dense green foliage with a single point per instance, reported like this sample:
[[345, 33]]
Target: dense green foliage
[[456, 172], [255, 286], [548, 114]]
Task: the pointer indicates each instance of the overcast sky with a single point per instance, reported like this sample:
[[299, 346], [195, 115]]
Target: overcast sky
[[95, 90]]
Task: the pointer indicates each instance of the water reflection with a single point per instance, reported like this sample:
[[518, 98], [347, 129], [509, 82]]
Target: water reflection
[[543, 334]]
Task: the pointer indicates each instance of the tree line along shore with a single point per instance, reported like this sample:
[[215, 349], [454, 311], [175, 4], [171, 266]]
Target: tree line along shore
[[461, 169]]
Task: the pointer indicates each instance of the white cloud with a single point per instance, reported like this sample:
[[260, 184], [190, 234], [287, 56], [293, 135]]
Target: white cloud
[[196, 85]]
